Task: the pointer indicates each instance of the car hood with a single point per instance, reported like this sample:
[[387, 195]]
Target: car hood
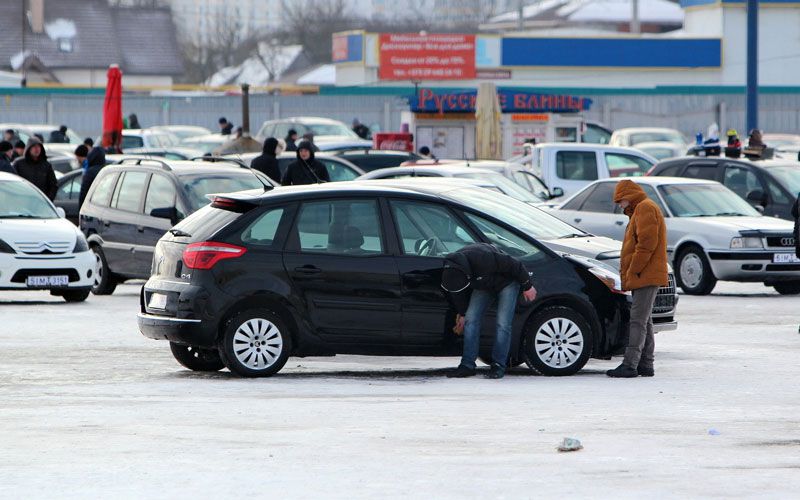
[[593, 247], [742, 223], [38, 235]]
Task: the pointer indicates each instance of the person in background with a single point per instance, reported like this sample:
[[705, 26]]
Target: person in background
[[6, 150], [95, 162], [133, 121], [291, 140], [225, 127], [309, 137], [425, 152], [19, 149], [35, 168], [267, 162], [306, 169], [360, 129], [81, 152], [473, 278], [239, 132], [59, 136], [40, 137], [643, 269], [10, 136], [89, 143]]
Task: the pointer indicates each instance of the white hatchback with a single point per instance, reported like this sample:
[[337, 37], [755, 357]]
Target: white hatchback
[[39, 248]]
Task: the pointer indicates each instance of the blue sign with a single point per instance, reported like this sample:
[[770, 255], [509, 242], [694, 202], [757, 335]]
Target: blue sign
[[511, 101]]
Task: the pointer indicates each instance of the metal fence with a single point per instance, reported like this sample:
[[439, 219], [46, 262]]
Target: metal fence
[[687, 113]]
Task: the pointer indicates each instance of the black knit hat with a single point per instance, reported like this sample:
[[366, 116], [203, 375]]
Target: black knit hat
[[19, 144], [5, 146], [81, 151]]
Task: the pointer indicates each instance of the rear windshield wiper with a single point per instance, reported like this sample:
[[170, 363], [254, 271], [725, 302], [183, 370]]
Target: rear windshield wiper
[[179, 233]]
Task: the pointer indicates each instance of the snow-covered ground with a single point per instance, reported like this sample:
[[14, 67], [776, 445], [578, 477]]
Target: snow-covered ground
[[91, 409]]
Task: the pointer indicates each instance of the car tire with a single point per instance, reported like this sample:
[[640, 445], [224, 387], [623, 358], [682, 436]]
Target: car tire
[[557, 341], [787, 287], [693, 272], [251, 327], [76, 295], [197, 359], [104, 282]]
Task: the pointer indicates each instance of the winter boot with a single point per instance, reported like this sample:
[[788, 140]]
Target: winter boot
[[495, 372], [645, 371], [622, 371], [461, 372]]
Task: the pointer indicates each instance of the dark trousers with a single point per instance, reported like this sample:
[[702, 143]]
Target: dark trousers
[[641, 341]]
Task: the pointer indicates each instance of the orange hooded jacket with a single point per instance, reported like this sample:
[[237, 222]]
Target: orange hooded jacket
[[643, 260]]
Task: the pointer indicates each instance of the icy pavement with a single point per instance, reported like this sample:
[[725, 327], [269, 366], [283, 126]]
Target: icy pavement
[[91, 409]]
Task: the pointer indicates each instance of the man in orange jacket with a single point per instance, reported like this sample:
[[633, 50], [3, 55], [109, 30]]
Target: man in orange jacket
[[643, 269]]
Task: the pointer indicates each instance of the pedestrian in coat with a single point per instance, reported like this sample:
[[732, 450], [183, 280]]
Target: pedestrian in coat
[[95, 162], [291, 140], [225, 127], [59, 136], [360, 129], [35, 168], [10, 136], [6, 149], [306, 169], [474, 277], [19, 149], [643, 269], [133, 121], [267, 162], [81, 153]]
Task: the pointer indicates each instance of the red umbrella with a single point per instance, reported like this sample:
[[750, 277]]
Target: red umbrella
[[112, 110]]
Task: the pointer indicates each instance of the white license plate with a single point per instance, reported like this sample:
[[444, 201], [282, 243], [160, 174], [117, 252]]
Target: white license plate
[[158, 301], [47, 281], [785, 258]]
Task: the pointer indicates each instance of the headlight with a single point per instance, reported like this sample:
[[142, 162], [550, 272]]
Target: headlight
[[5, 247], [609, 279], [80, 244], [746, 242]]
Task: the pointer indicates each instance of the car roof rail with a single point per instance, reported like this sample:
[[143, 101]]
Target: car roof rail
[[219, 159], [136, 160]]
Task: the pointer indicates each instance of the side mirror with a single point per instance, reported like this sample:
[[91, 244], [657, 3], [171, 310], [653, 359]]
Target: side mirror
[[61, 213], [556, 192], [757, 196], [170, 213]]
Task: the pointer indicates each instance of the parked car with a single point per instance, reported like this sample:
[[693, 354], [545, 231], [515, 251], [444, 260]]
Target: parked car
[[356, 268], [131, 205], [571, 167], [596, 133], [332, 145], [633, 136], [770, 186], [662, 150], [374, 159], [781, 141], [39, 249], [338, 169], [182, 132], [26, 131], [324, 129], [68, 195], [62, 162], [205, 143], [170, 153], [712, 234], [146, 138]]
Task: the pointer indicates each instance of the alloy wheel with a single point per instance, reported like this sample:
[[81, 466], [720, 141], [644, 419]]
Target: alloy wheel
[[691, 270], [559, 342], [257, 343]]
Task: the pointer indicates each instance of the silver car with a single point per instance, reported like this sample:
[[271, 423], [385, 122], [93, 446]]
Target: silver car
[[712, 234]]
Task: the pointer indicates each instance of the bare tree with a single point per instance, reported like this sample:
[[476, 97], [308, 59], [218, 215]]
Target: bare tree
[[312, 23]]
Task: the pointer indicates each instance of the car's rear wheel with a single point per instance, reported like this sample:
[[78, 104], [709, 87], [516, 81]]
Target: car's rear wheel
[[787, 287], [557, 342], [695, 276], [256, 343], [75, 295], [196, 358], [104, 282]]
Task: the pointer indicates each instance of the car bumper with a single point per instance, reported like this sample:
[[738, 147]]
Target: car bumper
[[755, 266], [185, 319], [16, 268]]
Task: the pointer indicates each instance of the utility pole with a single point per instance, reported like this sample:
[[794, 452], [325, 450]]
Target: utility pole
[[752, 65], [635, 25], [520, 11], [22, 26]]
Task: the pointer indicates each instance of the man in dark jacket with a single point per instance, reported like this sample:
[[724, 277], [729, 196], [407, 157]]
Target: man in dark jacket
[[306, 169], [59, 136], [19, 150], [474, 277], [291, 140], [225, 127], [267, 163], [5, 158], [360, 129], [35, 168], [95, 162]]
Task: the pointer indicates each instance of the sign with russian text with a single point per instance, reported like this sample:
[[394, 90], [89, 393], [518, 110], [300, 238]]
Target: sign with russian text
[[511, 101], [413, 56]]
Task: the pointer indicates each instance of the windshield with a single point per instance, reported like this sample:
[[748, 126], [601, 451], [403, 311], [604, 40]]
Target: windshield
[[508, 187], [323, 129], [205, 145], [519, 215], [657, 136], [789, 177], [198, 186], [659, 153], [705, 200], [20, 200], [45, 132]]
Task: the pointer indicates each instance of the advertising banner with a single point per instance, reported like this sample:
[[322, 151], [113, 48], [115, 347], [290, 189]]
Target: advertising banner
[[413, 56], [511, 101]]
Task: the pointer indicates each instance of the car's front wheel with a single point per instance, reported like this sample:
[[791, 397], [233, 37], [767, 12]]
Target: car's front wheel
[[196, 358], [256, 343], [787, 287], [75, 295], [695, 276], [104, 282], [558, 341]]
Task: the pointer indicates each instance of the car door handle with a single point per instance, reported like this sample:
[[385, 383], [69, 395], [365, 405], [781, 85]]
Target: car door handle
[[308, 270], [619, 222], [140, 229], [106, 224], [578, 220]]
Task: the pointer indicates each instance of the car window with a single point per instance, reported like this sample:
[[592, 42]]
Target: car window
[[595, 134], [704, 200], [129, 191], [622, 165], [263, 230], [344, 227], [776, 193], [577, 200], [741, 180], [70, 190], [504, 239], [700, 171], [129, 141], [102, 193], [522, 179], [20, 200], [339, 171], [198, 187], [651, 193], [601, 199], [537, 186], [370, 162], [576, 165], [429, 230], [670, 171], [789, 177], [160, 194]]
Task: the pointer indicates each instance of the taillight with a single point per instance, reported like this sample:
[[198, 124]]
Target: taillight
[[206, 254]]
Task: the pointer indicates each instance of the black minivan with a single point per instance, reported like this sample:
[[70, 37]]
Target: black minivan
[[355, 268]]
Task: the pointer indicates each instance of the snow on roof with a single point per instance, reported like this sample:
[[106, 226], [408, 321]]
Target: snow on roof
[[253, 69], [60, 28], [598, 10], [18, 59], [324, 74], [527, 11]]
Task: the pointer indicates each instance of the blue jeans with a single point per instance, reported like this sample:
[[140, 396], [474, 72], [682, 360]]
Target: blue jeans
[[480, 300]]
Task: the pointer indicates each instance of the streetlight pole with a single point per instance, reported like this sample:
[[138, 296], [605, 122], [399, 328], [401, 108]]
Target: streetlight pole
[[752, 64]]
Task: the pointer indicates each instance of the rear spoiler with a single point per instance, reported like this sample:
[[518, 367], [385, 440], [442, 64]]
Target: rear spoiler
[[232, 203]]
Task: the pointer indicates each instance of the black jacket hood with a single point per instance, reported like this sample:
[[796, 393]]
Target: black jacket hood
[[32, 142], [307, 146], [270, 146], [96, 158]]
